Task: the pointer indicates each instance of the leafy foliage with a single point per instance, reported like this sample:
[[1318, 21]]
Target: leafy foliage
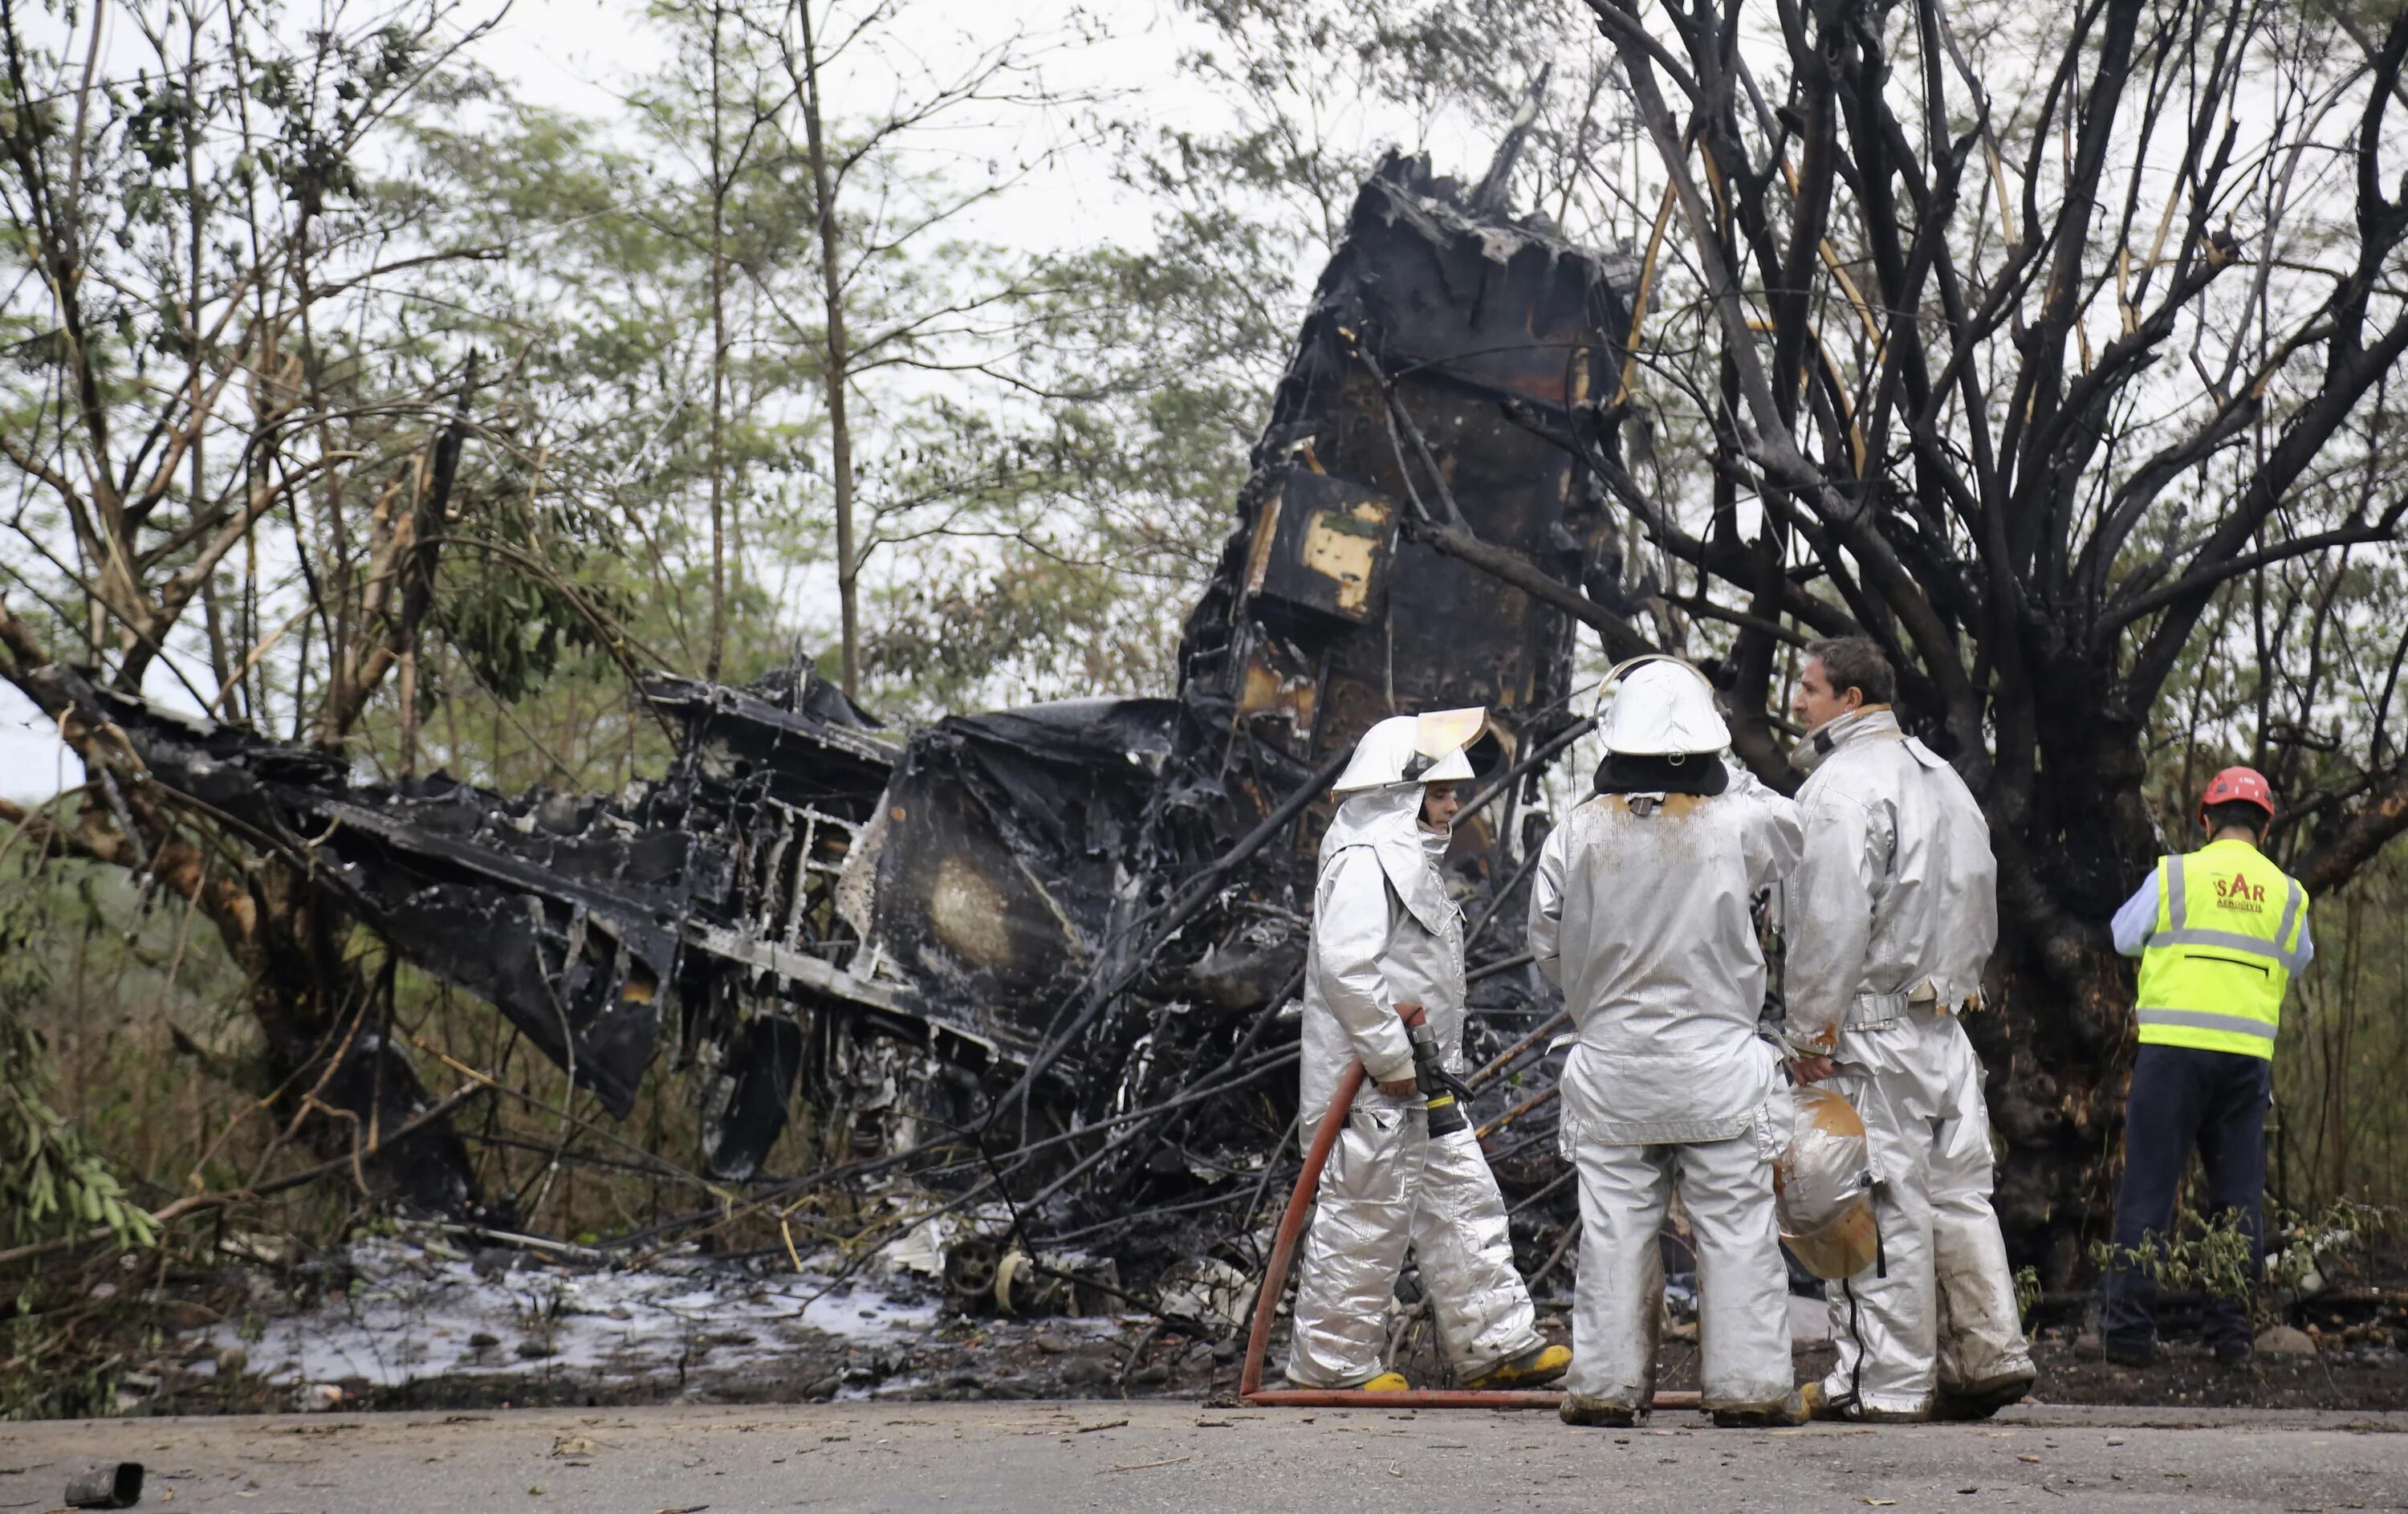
[[52, 1183], [2216, 1257]]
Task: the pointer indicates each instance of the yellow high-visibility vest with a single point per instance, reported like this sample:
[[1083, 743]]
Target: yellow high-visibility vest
[[2230, 924]]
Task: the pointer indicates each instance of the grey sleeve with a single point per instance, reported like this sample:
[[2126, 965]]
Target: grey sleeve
[[2134, 922]]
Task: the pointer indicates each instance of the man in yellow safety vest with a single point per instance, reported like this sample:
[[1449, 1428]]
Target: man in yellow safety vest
[[2220, 932]]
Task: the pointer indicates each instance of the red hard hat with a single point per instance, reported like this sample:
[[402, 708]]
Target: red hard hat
[[2238, 786]]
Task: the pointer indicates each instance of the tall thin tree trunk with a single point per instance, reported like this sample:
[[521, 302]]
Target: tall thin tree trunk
[[718, 371], [221, 657], [840, 358]]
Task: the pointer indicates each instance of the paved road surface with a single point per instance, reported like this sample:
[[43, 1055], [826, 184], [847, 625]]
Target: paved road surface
[[1051, 1457]]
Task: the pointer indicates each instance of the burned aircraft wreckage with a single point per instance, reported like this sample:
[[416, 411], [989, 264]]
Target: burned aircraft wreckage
[[1089, 915]]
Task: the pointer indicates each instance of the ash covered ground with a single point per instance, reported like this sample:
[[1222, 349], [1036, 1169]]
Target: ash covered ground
[[420, 1323], [427, 1324]]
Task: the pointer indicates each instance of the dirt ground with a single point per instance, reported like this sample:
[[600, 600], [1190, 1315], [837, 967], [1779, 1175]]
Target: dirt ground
[[2185, 1375]]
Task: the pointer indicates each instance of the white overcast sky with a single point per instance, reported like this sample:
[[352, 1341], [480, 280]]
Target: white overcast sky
[[582, 56], [578, 56]]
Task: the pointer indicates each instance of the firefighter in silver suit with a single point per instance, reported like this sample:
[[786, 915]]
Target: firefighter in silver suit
[[1892, 917], [1641, 913], [1387, 934]]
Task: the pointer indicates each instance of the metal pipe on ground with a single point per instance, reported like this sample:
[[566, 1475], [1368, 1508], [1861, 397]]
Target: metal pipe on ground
[[1291, 1228], [1431, 1398]]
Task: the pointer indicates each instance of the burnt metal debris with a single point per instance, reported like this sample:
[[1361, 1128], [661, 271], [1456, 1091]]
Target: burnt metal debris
[[1068, 935], [109, 1485]]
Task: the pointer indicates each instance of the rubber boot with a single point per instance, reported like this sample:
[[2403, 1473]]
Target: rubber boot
[[1789, 1411], [1979, 1401], [1537, 1365], [1814, 1402], [1597, 1413]]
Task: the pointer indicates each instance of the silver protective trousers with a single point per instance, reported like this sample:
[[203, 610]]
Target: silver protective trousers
[[1389, 1187], [1936, 1312], [1743, 1285]]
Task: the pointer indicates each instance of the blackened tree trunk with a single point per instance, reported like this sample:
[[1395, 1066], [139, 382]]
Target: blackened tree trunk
[[2080, 406]]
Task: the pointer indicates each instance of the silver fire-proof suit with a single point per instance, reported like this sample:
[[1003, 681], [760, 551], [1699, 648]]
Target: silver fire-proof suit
[[1892, 916], [1385, 932], [1641, 913]]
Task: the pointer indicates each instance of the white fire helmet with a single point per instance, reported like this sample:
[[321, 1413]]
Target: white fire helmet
[[1430, 748], [1661, 707], [1823, 1184]]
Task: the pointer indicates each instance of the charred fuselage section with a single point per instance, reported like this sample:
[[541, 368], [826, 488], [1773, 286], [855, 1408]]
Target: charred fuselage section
[[1099, 903], [1326, 615]]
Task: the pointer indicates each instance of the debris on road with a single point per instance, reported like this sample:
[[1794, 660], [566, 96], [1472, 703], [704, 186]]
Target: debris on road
[[109, 1485]]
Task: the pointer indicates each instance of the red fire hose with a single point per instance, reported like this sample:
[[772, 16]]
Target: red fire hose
[[1259, 1340]]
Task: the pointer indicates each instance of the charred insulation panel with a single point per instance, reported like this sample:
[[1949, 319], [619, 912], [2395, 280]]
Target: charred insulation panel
[[566, 913], [1429, 317], [1009, 843]]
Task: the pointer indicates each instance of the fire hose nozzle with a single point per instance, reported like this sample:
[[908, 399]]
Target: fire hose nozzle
[[1439, 1088]]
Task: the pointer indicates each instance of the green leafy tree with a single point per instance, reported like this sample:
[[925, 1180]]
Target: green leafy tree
[[51, 1182], [232, 462]]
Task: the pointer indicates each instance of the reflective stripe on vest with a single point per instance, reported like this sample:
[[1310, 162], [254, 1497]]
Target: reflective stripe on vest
[[2199, 1020], [2219, 960]]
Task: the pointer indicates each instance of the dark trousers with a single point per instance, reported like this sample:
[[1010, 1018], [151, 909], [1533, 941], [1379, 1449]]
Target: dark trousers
[[2180, 1098]]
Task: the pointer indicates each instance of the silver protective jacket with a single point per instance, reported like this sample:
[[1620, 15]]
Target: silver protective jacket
[[1640, 912], [1385, 933], [1894, 901]]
